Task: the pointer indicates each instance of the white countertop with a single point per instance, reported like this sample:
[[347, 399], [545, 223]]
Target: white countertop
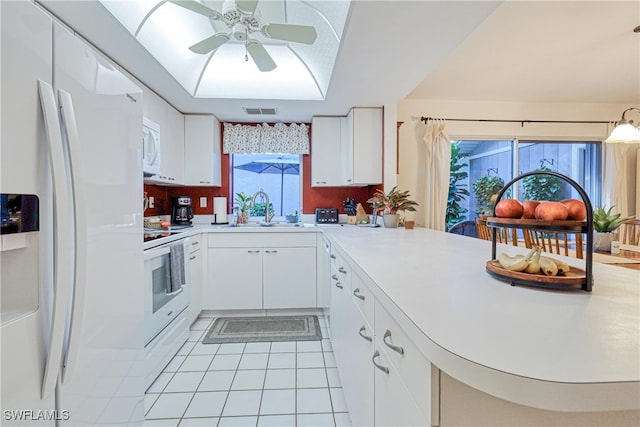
[[438, 280], [562, 350], [244, 228]]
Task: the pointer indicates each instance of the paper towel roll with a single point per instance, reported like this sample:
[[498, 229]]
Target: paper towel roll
[[220, 210]]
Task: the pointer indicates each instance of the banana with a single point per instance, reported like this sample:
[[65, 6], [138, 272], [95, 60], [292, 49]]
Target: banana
[[563, 267], [534, 264], [516, 263], [548, 267]]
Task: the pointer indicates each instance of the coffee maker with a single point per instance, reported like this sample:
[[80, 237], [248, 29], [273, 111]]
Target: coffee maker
[[181, 212]]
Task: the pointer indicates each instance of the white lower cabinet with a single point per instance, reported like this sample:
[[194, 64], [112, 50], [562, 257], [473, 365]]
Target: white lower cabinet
[[394, 404], [286, 277], [195, 277], [386, 380], [235, 278], [261, 271]]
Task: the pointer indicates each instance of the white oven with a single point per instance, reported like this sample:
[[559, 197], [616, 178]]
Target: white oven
[[167, 293]]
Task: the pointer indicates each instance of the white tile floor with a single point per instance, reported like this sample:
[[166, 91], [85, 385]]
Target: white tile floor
[[277, 384]]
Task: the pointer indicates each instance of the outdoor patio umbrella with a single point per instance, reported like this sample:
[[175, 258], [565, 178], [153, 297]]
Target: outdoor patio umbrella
[[282, 167]]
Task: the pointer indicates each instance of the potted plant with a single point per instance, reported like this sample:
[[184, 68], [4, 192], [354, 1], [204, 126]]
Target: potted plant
[[391, 203], [486, 190], [605, 224], [542, 187], [242, 203]]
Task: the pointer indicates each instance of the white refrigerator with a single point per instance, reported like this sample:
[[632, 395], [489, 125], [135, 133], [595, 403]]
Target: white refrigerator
[[71, 296]]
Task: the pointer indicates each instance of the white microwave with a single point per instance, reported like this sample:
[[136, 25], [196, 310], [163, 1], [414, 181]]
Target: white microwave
[[150, 147]]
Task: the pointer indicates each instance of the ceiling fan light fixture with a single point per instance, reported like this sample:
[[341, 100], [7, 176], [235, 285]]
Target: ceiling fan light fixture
[[625, 132], [239, 32]]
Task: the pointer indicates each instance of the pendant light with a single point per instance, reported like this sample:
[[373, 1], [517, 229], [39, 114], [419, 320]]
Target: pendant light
[[625, 131]]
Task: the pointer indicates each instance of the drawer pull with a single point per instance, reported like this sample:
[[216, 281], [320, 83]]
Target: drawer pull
[[192, 258], [334, 277], [271, 252], [332, 256], [194, 243], [342, 270], [395, 348], [339, 286], [254, 252], [382, 368], [356, 293], [361, 333]]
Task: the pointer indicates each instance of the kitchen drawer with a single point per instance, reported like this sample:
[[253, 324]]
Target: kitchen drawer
[[265, 239], [409, 362], [196, 242], [362, 298]]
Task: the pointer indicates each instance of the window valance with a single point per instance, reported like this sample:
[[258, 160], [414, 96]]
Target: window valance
[[278, 139]]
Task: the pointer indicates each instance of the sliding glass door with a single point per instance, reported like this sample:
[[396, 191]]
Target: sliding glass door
[[491, 164]]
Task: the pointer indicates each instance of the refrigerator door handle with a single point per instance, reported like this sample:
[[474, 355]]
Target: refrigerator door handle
[[63, 236], [70, 130]]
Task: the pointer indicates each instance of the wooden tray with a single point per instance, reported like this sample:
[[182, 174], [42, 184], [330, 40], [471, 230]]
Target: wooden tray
[[575, 278]]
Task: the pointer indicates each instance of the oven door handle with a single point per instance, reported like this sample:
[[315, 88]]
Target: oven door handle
[[153, 253], [176, 292]]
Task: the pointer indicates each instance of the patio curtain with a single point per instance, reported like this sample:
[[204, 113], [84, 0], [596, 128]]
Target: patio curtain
[[620, 176], [256, 139], [434, 156]]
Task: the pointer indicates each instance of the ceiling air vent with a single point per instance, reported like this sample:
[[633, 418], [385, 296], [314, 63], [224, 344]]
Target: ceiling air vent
[[259, 111]]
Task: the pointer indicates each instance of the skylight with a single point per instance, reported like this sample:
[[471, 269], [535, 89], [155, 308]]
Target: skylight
[[167, 29]]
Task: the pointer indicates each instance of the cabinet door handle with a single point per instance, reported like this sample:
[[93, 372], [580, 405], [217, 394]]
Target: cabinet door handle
[[321, 182], [254, 252], [332, 256], [194, 243], [334, 277], [361, 333], [395, 348], [342, 270], [339, 286], [271, 252], [382, 368], [356, 293], [192, 258]]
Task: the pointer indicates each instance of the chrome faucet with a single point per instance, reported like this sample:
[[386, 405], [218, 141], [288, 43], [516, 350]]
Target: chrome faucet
[[265, 197]]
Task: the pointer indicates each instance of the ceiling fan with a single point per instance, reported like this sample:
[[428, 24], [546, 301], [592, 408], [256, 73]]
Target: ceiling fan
[[243, 18]]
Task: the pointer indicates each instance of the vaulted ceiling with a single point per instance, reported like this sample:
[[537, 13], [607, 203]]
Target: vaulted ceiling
[[522, 51]]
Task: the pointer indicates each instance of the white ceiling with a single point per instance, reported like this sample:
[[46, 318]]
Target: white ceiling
[[529, 51]]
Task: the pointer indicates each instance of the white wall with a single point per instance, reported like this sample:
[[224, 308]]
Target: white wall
[[410, 111]]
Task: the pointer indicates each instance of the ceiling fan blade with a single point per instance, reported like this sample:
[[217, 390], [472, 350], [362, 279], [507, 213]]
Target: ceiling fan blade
[[197, 8], [248, 7], [289, 32], [210, 43], [260, 56]]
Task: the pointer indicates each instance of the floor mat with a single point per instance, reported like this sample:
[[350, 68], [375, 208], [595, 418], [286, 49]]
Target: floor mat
[[261, 329]]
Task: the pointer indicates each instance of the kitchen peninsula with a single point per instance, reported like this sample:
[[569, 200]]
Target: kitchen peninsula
[[573, 356]]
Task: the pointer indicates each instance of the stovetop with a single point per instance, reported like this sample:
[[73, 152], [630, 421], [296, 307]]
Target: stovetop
[[159, 233]]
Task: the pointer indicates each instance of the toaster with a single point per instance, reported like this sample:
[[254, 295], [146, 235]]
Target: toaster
[[326, 216]]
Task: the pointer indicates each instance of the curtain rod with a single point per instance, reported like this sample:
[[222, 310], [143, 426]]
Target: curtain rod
[[522, 122]]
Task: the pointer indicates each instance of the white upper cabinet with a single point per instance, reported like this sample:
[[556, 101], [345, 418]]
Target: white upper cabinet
[[172, 161], [347, 151], [171, 123], [326, 137], [202, 150], [362, 147]]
